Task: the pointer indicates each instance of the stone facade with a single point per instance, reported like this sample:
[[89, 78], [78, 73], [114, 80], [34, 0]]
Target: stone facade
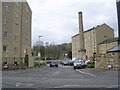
[[92, 38], [16, 33], [104, 59]]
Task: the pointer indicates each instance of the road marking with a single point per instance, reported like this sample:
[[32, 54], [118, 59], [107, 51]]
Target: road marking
[[86, 73], [29, 85], [92, 86], [113, 86], [66, 86], [17, 84]]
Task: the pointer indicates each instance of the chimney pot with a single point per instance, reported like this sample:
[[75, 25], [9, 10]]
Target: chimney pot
[[79, 12]]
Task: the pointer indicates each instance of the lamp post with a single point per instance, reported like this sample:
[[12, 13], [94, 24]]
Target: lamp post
[[39, 46], [45, 52], [39, 54]]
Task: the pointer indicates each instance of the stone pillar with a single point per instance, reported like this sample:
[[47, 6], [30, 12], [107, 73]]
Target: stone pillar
[[82, 51]]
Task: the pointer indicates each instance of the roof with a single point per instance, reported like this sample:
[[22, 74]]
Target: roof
[[109, 40], [93, 29], [114, 49], [75, 35]]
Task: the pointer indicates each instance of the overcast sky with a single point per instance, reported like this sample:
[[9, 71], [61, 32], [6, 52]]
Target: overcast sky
[[57, 20]]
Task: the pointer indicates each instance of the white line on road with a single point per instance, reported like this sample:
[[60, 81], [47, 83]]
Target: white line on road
[[29, 85], [66, 86], [86, 73], [17, 84], [92, 86], [113, 86]]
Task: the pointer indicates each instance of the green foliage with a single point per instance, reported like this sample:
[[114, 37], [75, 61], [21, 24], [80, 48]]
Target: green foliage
[[90, 65], [36, 64], [54, 51]]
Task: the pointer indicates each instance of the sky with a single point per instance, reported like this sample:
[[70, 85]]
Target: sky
[[57, 20]]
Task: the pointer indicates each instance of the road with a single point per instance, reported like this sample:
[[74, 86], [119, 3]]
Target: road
[[61, 77]]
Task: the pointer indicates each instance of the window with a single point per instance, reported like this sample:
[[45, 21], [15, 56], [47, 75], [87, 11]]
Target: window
[[5, 21], [15, 37], [4, 48], [16, 26], [17, 2], [26, 9], [7, 8], [4, 34], [26, 20], [15, 50], [17, 14]]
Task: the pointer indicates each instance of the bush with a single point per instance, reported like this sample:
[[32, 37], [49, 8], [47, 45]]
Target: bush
[[36, 64], [90, 65]]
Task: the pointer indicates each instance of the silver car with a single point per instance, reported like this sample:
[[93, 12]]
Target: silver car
[[78, 64]]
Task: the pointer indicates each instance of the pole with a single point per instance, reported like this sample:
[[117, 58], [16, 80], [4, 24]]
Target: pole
[[45, 52], [39, 50], [39, 43]]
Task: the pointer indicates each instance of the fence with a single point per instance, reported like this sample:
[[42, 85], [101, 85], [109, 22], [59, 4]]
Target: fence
[[13, 62]]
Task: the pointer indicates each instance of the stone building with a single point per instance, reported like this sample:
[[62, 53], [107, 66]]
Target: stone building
[[16, 33], [106, 54], [92, 38]]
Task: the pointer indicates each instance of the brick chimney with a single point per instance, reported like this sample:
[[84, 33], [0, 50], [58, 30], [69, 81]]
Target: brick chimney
[[82, 50]]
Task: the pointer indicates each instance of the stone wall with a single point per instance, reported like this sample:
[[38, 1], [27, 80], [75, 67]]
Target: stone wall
[[104, 60]]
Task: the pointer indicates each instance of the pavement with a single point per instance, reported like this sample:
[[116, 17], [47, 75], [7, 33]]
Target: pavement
[[100, 72]]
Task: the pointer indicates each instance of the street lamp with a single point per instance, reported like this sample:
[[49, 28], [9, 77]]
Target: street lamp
[[45, 52], [39, 44], [39, 54]]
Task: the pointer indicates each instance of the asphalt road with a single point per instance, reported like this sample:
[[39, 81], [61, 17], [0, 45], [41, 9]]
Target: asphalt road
[[61, 77]]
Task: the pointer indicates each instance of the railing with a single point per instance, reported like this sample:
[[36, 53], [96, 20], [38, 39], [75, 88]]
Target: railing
[[13, 62]]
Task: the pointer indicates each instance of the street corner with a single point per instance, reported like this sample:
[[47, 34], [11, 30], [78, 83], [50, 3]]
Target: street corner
[[86, 72], [99, 72]]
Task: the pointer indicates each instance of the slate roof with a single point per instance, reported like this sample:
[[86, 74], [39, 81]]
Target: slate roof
[[114, 49], [109, 40]]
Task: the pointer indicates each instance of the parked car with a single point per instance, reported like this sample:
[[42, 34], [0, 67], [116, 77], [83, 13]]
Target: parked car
[[65, 62], [71, 63], [78, 64], [53, 63]]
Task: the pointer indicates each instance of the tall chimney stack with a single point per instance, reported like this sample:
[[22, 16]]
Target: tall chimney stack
[[82, 51]]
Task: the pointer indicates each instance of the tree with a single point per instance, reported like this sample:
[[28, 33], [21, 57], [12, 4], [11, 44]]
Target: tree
[[52, 51]]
